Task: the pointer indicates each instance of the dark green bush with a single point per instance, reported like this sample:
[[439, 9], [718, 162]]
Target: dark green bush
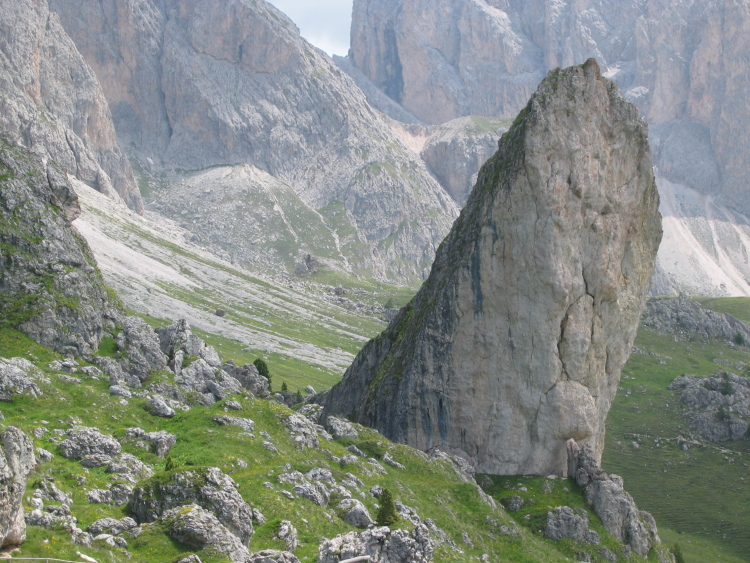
[[677, 552]]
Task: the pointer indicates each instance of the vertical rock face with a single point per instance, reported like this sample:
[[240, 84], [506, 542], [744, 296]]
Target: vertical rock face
[[681, 62], [50, 287], [516, 341], [196, 84], [16, 463], [53, 104]]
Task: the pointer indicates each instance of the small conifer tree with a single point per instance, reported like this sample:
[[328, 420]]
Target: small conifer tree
[[677, 552], [262, 368], [387, 514], [298, 397], [284, 388], [169, 465]]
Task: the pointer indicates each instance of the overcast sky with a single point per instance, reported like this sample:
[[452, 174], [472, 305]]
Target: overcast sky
[[324, 23]]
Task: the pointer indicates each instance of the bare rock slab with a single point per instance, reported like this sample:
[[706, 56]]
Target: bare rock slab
[[516, 341]]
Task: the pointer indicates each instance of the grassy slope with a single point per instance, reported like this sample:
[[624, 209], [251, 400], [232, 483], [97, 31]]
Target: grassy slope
[[431, 487], [702, 493]]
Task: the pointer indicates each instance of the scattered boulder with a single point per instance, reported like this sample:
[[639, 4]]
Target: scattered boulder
[[245, 423], [200, 529], [302, 431], [381, 544], [161, 442], [139, 346], [157, 406], [565, 523], [271, 556], [683, 316], [512, 503], [209, 488], [340, 428], [18, 376], [111, 526], [355, 513], [388, 460], [249, 378], [84, 441], [119, 494], [16, 463], [719, 405], [288, 534], [129, 467], [615, 507]]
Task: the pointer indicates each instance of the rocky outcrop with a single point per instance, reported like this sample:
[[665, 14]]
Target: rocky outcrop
[[607, 497], [50, 287], [683, 317], [53, 103], [18, 376], [209, 488], [565, 523], [290, 113], [200, 529], [719, 405], [16, 463], [516, 341], [381, 545]]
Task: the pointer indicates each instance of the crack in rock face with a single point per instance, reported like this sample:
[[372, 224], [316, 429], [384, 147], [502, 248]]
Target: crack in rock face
[[516, 341]]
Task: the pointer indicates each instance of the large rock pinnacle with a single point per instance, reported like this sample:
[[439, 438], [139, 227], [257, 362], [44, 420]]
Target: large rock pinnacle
[[516, 341]]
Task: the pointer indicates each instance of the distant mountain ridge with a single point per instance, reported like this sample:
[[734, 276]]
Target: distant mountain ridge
[[679, 61], [192, 87]]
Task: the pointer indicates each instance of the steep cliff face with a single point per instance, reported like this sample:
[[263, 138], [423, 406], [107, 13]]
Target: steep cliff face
[[50, 287], [515, 342], [195, 84], [52, 102], [680, 62]]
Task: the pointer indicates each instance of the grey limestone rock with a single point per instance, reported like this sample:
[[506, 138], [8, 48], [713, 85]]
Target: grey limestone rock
[[565, 523], [718, 405], [157, 406], [16, 463], [682, 316], [673, 59], [118, 495], [161, 442], [294, 122], [18, 376], [340, 428], [209, 488], [288, 534], [355, 513], [54, 104], [611, 503], [303, 431], [139, 344], [245, 423], [111, 526], [128, 465], [84, 441], [272, 556], [199, 528], [382, 545], [50, 287], [533, 302]]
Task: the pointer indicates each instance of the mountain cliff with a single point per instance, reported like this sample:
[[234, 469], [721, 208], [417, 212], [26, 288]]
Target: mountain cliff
[[50, 287], [679, 61], [192, 86], [515, 342], [52, 102]]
